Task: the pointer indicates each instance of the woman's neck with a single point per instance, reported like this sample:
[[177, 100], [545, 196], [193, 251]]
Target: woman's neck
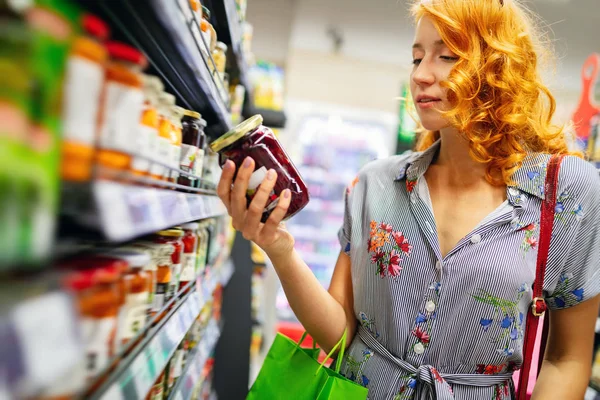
[[454, 163]]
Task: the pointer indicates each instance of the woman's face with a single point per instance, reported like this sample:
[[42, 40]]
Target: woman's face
[[432, 63]]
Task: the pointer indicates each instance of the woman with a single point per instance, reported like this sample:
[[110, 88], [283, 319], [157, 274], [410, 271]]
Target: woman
[[440, 245]]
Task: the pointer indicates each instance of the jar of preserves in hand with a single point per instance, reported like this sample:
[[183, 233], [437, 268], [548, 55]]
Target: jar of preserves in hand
[[251, 139]]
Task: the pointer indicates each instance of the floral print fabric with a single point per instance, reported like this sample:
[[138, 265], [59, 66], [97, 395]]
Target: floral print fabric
[[462, 314]]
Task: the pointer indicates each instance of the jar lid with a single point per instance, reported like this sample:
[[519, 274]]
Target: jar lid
[[193, 114], [124, 52], [171, 233], [95, 27], [135, 258], [191, 226], [222, 46], [205, 13], [236, 133]]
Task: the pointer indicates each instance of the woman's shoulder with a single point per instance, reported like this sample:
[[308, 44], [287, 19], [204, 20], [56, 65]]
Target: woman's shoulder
[[580, 179], [389, 168]]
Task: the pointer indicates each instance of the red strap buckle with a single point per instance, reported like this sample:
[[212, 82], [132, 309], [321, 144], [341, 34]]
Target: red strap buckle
[[538, 307]]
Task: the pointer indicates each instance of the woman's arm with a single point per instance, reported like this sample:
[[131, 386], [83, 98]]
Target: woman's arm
[[567, 364], [323, 314]]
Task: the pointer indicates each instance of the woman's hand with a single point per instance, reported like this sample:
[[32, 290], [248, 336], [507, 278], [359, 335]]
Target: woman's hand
[[270, 236]]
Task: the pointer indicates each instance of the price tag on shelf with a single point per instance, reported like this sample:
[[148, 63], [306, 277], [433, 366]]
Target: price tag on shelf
[[183, 208], [156, 352], [142, 376], [195, 204], [114, 211]]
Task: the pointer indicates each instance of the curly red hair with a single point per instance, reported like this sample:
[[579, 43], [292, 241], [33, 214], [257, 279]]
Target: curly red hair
[[498, 99]]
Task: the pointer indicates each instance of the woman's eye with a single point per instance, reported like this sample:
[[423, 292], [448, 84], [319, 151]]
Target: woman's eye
[[449, 58], [417, 61]]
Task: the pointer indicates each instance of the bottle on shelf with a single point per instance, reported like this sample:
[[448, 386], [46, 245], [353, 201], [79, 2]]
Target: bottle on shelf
[[147, 138], [192, 151], [208, 32], [84, 80], [173, 239], [176, 139], [190, 251], [122, 108]]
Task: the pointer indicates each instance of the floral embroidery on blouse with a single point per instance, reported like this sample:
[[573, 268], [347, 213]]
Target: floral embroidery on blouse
[[530, 240], [489, 369], [563, 297], [508, 317], [368, 324], [537, 179], [410, 185], [387, 261], [406, 391], [355, 368], [425, 319], [352, 184]]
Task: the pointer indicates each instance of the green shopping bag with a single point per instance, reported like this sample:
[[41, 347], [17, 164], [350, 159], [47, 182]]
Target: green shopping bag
[[291, 372]]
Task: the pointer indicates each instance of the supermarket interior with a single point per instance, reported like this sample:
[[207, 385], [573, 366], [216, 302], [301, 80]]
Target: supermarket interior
[[121, 276]]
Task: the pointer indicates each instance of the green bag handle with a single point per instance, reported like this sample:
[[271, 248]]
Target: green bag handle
[[342, 346], [302, 340]]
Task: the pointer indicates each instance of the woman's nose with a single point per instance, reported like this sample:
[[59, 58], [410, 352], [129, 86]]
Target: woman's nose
[[423, 75]]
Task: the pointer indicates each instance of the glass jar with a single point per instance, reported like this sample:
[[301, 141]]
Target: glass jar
[[175, 140], [146, 140], [123, 103], [84, 79], [192, 132], [251, 139], [96, 283], [209, 33], [201, 248], [165, 128], [160, 268], [172, 237], [190, 249], [137, 283], [220, 57]]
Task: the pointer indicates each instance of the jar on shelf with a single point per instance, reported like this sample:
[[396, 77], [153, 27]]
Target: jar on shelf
[[192, 150], [160, 266], [84, 80], [122, 108], [146, 140], [175, 141], [201, 248], [150, 268], [165, 136], [252, 139], [190, 249], [220, 56], [208, 32], [97, 289], [173, 238], [137, 283]]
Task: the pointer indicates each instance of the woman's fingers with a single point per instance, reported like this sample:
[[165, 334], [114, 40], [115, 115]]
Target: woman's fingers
[[238, 194], [258, 204], [224, 187], [270, 227]]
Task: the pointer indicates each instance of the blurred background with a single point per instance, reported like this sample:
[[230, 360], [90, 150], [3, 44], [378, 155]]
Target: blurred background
[[120, 274]]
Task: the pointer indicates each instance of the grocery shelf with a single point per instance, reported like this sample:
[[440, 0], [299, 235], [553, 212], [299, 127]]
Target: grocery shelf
[[123, 211], [192, 375], [136, 373], [161, 29], [229, 31]]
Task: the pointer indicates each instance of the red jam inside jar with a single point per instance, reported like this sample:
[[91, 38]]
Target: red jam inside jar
[[252, 139]]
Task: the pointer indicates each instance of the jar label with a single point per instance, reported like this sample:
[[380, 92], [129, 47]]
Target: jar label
[[122, 112], [81, 101], [172, 158], [175, 274], [98, 334], [159, 298], [256, 179], [145, 142], [188, 157], [188, 268], [176, 365], [162, 152], [199, 163], [136, 307]]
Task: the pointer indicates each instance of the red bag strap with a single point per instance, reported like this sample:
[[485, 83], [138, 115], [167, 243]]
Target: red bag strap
[[538, 305]]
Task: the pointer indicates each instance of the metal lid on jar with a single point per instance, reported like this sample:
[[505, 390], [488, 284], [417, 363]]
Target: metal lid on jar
[[236, 133], [192, 114], [170, 233]]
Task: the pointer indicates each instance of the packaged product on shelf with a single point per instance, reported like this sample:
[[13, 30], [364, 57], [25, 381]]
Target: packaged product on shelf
[[84, 80], [122, 108], [237, 102], [176, 140], [211, 172], [168, 141], [146, 141], [150, 268], [190, 250], [201, 248], [136, 284], [192, 147], [220, 57], [208, 32], [174, 239], [176, 365], [158, 390], [98, 291], [161, 255], [252, 139]]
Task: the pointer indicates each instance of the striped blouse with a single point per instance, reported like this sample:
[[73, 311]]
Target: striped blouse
[[452, 327]]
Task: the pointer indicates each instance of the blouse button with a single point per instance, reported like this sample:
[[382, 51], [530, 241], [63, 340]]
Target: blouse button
[[476, 238], [430, 306], [438, 265], [419, 348], [513, 192]]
